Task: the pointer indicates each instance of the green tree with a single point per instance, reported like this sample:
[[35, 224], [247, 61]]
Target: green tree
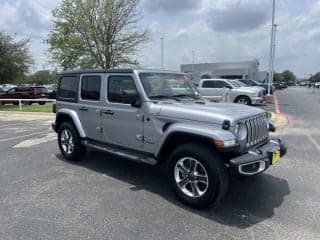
[[43, 77], [15, 59], [277, 77], [285, 76], [288, 76], [96, 33], [315, 78]]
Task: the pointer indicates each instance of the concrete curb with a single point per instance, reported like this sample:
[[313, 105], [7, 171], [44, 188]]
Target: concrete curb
[[26, 116], [27, 113]]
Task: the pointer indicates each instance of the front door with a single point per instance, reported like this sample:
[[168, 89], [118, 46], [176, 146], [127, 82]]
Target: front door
[[122, 123]]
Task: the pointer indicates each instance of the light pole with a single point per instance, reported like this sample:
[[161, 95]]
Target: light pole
[[193, 53], [271, 48], [162, 52], [273, 51]]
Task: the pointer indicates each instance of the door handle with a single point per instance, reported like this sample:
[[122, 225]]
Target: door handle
[[84, 109], [108, 112]]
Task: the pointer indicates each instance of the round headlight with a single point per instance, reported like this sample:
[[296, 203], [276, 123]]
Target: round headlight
[[241, 131]]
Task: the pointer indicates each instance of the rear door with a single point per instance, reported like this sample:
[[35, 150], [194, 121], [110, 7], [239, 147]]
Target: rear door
[[89, 107]]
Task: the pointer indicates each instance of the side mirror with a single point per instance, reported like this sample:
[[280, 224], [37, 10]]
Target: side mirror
[[131, 97]]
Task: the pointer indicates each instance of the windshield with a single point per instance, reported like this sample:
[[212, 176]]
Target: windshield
[[167, 85], [238, 83]]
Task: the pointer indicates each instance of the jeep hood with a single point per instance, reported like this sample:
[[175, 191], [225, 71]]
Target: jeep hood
[[209, 112]]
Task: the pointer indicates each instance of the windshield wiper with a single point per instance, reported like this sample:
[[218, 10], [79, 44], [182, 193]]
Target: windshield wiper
[[164, 97], [186, 95]]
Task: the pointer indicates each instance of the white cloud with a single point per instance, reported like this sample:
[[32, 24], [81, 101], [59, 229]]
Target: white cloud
[[220, 30]]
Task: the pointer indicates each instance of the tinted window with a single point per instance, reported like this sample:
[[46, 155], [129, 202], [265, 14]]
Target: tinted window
[[117, 85], [209, 84], [90, 88], [215, 84], [40, 90], [68, 87]]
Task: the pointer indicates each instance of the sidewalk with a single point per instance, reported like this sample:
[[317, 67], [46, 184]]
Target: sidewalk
[[12, 115]]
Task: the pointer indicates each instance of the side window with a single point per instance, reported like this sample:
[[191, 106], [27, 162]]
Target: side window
[[117, 85], [68, 87], [90, 88], [223, 84], [209, 84], [12, 90]]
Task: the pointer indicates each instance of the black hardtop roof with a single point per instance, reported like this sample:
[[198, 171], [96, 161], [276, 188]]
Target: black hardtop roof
[[97, 71]]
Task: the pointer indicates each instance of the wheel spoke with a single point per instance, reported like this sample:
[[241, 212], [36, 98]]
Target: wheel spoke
[[183, 183], [194, 189], [201, 178], [193, 165], [182, 169]]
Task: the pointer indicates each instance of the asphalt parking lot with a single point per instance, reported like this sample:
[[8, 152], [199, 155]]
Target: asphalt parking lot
[[43, 196]]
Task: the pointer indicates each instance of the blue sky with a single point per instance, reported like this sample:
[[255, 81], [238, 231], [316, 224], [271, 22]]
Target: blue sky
[[218, 30]]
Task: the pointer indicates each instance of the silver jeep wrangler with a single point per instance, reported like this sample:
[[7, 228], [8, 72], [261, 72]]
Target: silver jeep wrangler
[[155, 117]]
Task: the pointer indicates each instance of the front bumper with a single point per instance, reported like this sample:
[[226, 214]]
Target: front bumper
[[257, 160], [54, 128], [256, 100]]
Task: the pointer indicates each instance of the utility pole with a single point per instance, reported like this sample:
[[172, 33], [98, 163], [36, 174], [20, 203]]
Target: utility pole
[[273, 51], [271, 47], [162, 52], [193, 53]]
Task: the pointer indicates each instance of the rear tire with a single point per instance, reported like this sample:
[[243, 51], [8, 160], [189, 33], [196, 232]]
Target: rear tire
[[198, 175], [243, 100], [41, 103], [70, 142]]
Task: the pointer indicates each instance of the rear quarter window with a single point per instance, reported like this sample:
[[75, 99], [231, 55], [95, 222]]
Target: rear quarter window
[[68, 88]]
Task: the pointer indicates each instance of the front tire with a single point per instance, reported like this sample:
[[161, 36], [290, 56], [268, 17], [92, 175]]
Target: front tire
[[198, 175], [243, 100], [41, 103], [70, 142]]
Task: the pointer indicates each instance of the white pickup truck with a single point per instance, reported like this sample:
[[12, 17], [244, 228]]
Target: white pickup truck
[[227, 91]]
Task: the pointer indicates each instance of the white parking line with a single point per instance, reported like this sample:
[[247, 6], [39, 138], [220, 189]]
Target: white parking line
[[36, 141], [12, 124], [27, 135], [313, 141]]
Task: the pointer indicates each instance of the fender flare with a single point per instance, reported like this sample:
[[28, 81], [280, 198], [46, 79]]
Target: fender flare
[[212, 132], [75, 119]]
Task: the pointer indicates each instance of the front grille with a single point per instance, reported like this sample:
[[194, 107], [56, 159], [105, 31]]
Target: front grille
[[257, 130]]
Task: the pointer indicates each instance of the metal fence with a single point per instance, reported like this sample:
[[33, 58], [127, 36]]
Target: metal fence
[[23, 101]]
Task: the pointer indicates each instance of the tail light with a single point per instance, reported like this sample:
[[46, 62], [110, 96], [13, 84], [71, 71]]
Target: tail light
[[54, 108]]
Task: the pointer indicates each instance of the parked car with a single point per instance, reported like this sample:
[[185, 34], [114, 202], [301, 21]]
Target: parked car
[[279, 86], [317, 85], [157, 117], [250, 82], [238, 83], [24, 93], [1, 90], [226, 90]]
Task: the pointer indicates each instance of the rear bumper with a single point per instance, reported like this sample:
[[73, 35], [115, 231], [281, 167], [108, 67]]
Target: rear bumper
[[258, 160]]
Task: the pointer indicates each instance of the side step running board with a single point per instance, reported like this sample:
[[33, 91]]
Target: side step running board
[[121, 152]]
